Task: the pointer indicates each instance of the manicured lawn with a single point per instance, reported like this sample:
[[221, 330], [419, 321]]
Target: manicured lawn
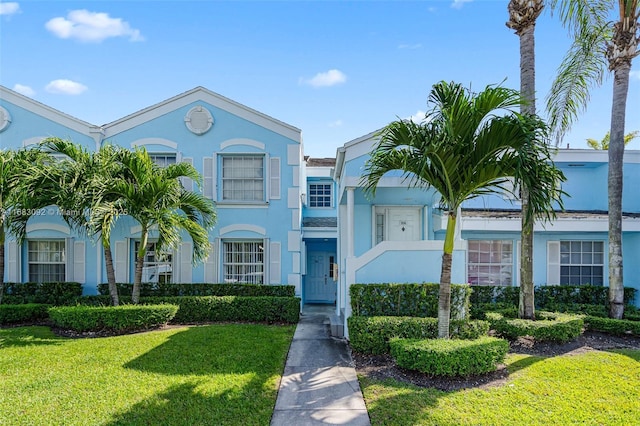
[[594, 388], [213, 375]]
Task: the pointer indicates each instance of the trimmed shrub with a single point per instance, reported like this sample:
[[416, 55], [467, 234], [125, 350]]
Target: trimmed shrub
[[52, 293], [26, 313], [202, 289], [506, 309], [408, 300], [613, 326], [117, 319], [371, 335], [444, 357], [548, 326], [549, 297], [197, 309]]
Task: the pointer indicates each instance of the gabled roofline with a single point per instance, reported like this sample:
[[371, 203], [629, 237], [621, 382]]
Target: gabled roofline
[[341, 154], [50, 113], [196, 94]]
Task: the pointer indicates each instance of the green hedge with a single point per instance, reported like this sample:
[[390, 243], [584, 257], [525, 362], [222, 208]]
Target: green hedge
[[452, 358], [198, 309], [613, 326], [548, 326], [117, 319], [371, 335], [202, 289], [25, 313], [51, 293], [411, 300], [549, 295]]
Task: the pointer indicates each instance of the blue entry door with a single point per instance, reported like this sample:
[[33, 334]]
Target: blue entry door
[[319, 284]]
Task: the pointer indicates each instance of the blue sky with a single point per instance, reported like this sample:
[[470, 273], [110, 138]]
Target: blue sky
[[335, 69]]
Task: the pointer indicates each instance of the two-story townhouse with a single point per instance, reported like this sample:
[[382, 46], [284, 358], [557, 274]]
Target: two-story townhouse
[[252, 167], [397, 236]]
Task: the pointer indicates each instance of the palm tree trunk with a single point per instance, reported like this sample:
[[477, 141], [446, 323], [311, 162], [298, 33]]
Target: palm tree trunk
[[137, 277], [111, 276], [526, 306], [616, 153], [444, 295]]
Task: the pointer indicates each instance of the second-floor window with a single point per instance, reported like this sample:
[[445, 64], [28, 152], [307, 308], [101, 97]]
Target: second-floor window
[[243, 178], [320, 195], [163, 160]]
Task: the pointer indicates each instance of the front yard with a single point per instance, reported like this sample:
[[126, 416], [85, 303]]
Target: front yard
[[587, 388], [224, 374]]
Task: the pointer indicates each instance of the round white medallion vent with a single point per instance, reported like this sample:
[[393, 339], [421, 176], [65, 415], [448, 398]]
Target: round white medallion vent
[[198, 120], [5, 119]]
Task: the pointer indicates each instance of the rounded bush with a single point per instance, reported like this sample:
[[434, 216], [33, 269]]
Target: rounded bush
[[613, 326], [371, 335], [445, 357], [117, 319], [548, 326]]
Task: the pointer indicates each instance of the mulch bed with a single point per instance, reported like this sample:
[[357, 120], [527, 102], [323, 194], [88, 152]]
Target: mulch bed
[[382, 367]]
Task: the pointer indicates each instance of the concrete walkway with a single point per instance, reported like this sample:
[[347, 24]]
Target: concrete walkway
[[319, 385]]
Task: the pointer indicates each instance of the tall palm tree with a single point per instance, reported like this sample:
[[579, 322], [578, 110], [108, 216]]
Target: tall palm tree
[[603, 144], [464, 149], [154, 197], [600, 44], [522, 19], [76, 187]]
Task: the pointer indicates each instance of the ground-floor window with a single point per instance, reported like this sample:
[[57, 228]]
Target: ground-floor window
[[243, 261], [157, 266], [47, 261], [582, 262], [490, 262]]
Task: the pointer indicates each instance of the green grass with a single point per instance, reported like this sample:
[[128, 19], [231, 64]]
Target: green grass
[[217, 374], [594, 388]]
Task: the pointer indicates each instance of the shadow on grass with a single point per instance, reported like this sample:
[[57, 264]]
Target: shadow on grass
[[185, 405], [28, 336], [229, 371]]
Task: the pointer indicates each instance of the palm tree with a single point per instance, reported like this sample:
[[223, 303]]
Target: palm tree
[[75, 186], [468, 146], [522, 19], [603, 144], [600, 45], [154, 197], [16, 194]]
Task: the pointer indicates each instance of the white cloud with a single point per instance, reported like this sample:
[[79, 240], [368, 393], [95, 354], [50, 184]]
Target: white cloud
[[457, 4], [25, 90], [326, 79], [9, 8], [65, 87], [410, 46], [336, 123], [418, 117], [91, 27]]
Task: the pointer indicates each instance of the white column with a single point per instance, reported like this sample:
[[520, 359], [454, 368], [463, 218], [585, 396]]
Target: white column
[[350, 222]]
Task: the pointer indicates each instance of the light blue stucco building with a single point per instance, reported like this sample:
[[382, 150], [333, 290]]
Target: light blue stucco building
[[287, 218]]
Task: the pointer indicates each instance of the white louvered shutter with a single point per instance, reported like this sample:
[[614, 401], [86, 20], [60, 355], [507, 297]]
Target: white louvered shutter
[[187, 183], [275, 257], [186, 267], [210, 265], [209, 186], [274, 178], [120, 264], [13, 262], [79, 262], [553, 262]]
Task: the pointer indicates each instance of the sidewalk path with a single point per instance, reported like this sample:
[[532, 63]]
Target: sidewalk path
[[319, 385]]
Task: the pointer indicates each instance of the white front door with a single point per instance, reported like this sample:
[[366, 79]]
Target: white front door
[[403, 224]]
